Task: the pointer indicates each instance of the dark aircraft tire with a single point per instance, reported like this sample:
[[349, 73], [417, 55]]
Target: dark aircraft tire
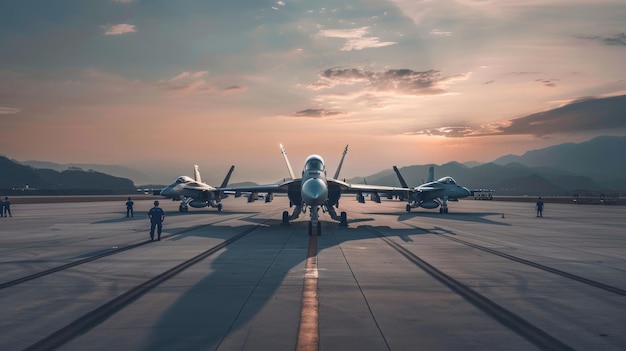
[[219, 207], [285, 218], [408, 208], [180, 208], [319, 228], [440, 210], [445, 211], [310, 228], [344, 219]]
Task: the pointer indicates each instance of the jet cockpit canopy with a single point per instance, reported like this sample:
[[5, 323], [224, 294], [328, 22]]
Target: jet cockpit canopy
[[314, 163], [447, 180], [183, 180]]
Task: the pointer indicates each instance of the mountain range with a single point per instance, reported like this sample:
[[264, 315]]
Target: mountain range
[[137, 176], [16, 177], [564, 169]]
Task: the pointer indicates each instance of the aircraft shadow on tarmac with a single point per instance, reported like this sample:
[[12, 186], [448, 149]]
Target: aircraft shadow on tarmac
[[143, 216], [278, 222], [248, 291], [477, 217], [201, 318], [387, 232]]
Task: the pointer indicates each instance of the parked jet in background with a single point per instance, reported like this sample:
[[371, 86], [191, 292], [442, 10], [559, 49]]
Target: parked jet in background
[[314, 190], [195, 193], [433, 194]]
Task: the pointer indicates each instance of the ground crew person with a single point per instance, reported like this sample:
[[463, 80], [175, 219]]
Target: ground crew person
[[1, 207], [539, 207], [129, 208], [7, 207], [156, 215]]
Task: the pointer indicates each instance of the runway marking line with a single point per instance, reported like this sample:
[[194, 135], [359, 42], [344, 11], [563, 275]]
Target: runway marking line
[[308, 332]]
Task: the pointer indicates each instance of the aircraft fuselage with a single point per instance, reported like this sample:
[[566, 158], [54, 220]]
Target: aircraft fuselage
[[314, 187]]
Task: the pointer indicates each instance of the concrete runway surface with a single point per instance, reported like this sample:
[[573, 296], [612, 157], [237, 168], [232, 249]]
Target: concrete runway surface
[[486, 276]]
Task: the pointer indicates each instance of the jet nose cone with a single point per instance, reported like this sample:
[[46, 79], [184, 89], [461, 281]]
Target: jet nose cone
[[467, 192], [314, 192], [167, 191]]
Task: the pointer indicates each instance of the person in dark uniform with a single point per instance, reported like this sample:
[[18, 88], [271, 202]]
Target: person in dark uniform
[[7, 207], [156, 215], [129, 208], [1, 207], [539, 207]]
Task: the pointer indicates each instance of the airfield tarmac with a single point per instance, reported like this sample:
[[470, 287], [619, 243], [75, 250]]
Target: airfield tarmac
[[486, 276]]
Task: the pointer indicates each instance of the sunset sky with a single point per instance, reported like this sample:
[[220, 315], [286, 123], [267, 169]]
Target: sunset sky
[[161, 85]]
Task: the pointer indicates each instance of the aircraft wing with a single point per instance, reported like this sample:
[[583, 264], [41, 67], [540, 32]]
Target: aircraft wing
[[266, 188], [365, 188]]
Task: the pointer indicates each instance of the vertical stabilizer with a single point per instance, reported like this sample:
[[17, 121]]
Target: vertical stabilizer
[[227, 178], [431, 174], [282, 150], [345, 151], [196, 174], [400, 178]]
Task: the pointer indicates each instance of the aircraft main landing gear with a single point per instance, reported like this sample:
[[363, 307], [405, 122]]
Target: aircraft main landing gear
[[343, 222], [285, 218]]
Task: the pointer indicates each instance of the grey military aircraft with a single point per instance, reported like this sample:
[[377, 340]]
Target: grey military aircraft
[[433, 194], [195, 193], [315, 191]]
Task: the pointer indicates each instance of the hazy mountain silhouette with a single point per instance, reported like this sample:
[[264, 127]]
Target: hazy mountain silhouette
[[137, 176], [599, 157], [510, 179], [71, 181], [558, 170], [564, 169]]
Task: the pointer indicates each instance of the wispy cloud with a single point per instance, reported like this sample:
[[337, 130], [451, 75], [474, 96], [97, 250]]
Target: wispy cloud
[[356, 38], [118, 29], [8, 110], [317, 113], [234, 88], [399, 81], [616, 40], [196, 82], [550, 83], [439, 32], [187, 82]]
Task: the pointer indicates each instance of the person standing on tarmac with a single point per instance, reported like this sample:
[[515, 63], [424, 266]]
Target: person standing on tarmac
[[539, 207], [1, 207], [156, 215], [7, 207], [129, 208]]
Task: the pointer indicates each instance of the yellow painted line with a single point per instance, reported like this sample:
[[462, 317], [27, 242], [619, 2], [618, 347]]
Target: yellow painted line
[[308, 333]]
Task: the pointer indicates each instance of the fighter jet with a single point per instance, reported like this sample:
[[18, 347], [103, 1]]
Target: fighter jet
[[195, 193], [433, 194], [315, 191]]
